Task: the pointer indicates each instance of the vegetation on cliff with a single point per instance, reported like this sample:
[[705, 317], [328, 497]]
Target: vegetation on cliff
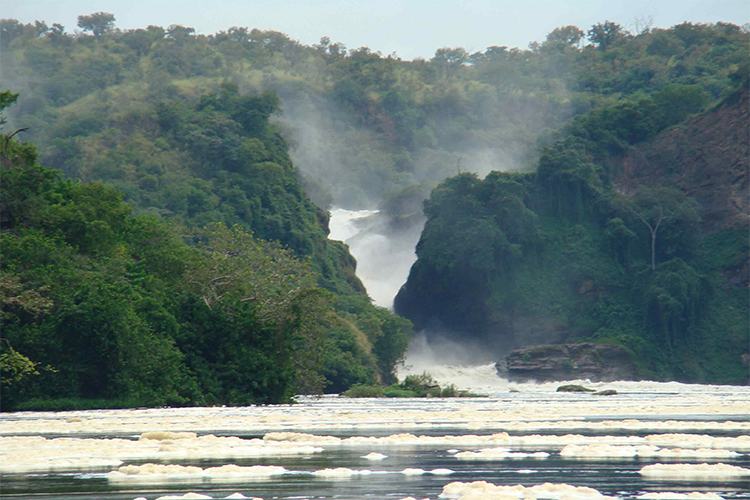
[[101, 307], [562, 254]]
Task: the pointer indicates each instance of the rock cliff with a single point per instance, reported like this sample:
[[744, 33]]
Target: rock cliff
[[545, 363], [706, 157]]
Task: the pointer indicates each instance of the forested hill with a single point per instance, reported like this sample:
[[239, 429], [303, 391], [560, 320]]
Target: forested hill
[[365, 129], [625, 239], [179, 243], [103, 307]]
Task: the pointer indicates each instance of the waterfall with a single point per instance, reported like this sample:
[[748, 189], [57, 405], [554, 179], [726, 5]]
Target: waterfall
[[384, 253]]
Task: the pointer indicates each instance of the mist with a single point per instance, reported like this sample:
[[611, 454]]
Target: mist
[[374, 187]]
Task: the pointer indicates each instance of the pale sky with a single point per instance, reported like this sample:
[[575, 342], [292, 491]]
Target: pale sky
[[411, 28]]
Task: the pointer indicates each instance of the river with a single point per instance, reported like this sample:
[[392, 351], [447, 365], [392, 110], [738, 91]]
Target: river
[[337, 448], [650, 440]]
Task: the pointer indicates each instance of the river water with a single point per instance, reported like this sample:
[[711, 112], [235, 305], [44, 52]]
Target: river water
[[337, 448], [520, 441]]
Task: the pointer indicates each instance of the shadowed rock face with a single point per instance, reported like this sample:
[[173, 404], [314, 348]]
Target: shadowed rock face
[[706, 157], [545, 363]]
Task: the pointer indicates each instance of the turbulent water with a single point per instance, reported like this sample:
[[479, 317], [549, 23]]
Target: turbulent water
[[521, 441], [384, 256]]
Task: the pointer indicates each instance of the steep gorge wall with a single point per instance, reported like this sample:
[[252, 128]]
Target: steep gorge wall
[[706, 157], [480, 280]]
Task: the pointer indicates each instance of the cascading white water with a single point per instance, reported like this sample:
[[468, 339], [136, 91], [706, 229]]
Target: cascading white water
[[383, 257], [383, 264]]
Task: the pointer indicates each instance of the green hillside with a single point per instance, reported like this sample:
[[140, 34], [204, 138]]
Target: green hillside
[[585, 250], [165, 239], [103, 307]]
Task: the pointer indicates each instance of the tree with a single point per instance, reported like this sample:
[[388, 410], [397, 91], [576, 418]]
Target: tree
[[675, 299], [569, 35], [605, 34], [652, 221], [643, 24], [239, 266], [6, 99], [239, 269], [98, 23], [660, 206], [179, 32]]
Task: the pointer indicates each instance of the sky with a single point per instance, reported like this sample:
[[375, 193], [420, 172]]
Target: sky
[[410, 28]]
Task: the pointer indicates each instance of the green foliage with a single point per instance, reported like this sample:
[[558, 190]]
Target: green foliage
[[597, 265], [6, 99], [675, 299], [114, 324], [97, 23], [413, 386], [606, 34], [119, 307], [14, 367], [187, 127], [417, 117]]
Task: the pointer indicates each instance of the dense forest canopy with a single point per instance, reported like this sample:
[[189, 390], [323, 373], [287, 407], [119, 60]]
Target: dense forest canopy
[[366, 127], [105, 307], [170, 220], [583, 250]]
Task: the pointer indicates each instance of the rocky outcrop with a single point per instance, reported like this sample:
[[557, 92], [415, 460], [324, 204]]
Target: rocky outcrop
[[706, 157], [545, 363]]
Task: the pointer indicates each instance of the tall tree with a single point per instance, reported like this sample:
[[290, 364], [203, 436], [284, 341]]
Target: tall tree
[[98, 23], [569, 35], [605, 34]]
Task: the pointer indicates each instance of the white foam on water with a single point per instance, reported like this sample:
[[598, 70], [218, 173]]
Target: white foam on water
[[167, 436], [156, 473], [25, 454], [606, 451], [300, 437], [27, 465], [671, 495], [525, 412], [375, 456], [186, 496], [413, 472], [702, 446], [739, 443], [500, 454], [704, 472], [485, 490], [197, 496], [340, 473], [231, 472], [666, 422], [441, 472], [161, 473]]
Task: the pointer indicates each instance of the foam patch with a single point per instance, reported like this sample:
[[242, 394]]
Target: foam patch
[[489, 491], [704, 472]]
